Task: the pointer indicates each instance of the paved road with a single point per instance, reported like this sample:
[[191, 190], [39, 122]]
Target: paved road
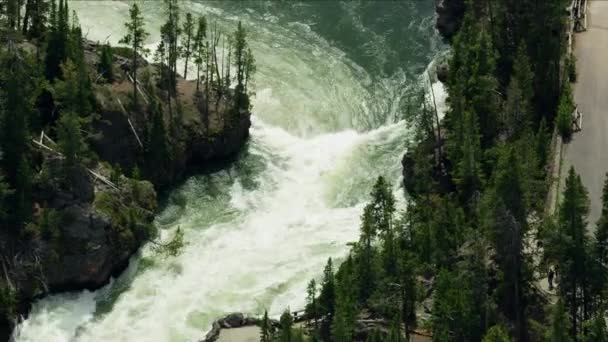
[[588, 150]]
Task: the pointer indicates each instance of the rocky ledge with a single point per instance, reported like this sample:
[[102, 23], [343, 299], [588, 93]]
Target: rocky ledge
[[232, 321], [90, 222], [202, 126]]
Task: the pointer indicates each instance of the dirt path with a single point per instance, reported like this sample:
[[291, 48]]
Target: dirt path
[[588, 150]]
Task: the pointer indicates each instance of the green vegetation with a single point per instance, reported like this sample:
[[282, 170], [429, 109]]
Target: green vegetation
[[136, 36], [55, 88], [477, 205], [106, 63]]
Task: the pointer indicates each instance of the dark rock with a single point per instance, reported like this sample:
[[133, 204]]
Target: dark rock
[[233, 320], [443, 72], [449, 16]]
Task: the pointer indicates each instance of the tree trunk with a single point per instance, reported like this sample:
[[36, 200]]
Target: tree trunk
[[135, 75]]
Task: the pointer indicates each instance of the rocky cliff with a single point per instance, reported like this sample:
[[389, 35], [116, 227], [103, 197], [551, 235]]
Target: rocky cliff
[[89, 220]]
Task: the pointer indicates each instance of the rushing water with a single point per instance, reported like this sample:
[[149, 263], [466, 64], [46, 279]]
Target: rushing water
[[331, 86]]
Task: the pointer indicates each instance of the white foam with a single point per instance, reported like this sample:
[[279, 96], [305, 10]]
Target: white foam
[[258, 232]]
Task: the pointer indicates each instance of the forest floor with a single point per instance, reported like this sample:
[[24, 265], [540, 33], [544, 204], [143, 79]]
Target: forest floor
[[588, 149]]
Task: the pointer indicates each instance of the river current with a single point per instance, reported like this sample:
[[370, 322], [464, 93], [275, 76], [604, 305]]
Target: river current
[[331, 91]]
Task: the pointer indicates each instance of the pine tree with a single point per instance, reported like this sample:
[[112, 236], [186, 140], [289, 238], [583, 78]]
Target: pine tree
[[265, 329], [17, 95], [327, 298], [564, 112], [573, 250], [74, 93], [286, 332], [312, 309], [135, 37], [200, 51], [106, 63], [245, 67], [57, 41], [34, 20], [450, 313], [13, 10], [157, 149], [468, 175], [600, 250], [343, 324], [559, 324], [507, 228], [70, 140], [187, 41], [170, 33], [365, 254]]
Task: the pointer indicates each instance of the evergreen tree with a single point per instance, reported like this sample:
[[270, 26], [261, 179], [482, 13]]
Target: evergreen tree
[[57, 41], [600, 251], [200, 51], [564, 112], [468, 172], [157, 148], [106, 63], [543, 138], [446, 228], [508, 226], [327, 298], [343, 324], [170, 32], [70, 141], [187, 41], [244, 63], [35, 17], [450, 314], [13, 10], [365, 254], [312, 309], [286, 333], [265, 329], [135, 37], [407, 268], [573, 246], [17, 94], [559, 324], [74, 92]]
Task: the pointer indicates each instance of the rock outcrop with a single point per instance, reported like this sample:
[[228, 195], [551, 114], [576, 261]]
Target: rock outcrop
[[89, 222], [231, 321], [449, 16], [201, 128]]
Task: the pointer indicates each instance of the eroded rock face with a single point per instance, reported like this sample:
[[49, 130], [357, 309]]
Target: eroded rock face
[[449, 16], [87, 258], [86, 241], [193, 140]]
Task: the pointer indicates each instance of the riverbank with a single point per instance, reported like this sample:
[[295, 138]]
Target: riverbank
[[90, 224]]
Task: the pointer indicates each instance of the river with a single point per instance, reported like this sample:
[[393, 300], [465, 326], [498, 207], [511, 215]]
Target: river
[[331, 91]]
